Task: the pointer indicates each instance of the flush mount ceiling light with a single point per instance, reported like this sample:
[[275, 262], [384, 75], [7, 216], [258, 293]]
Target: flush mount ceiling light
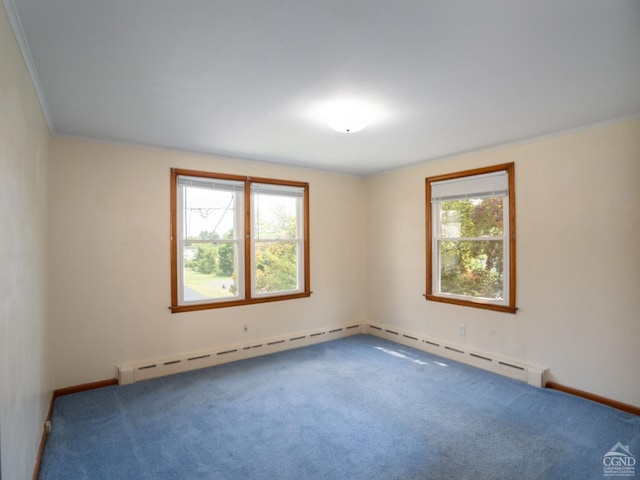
[[348, 118], [346, 114]]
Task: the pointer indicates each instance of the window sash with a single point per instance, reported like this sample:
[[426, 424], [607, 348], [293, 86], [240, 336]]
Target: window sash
[[239, 282], [182, 184], [436, 254], [297, 193]]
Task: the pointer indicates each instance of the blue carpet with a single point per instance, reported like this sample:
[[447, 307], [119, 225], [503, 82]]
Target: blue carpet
[[355, 408]]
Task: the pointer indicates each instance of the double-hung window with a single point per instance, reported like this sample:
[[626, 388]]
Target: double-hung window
[[237, 240], [471, 238]]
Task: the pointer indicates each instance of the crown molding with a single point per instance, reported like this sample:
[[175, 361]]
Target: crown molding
[[16, 25]]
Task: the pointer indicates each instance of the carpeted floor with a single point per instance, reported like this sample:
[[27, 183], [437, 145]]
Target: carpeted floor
[[355, 408]]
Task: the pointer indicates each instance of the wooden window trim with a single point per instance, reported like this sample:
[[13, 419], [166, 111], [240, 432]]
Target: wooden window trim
[[248, 300], [511, 307]]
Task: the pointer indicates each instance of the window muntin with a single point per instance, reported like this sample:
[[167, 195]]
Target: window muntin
[[471, 251], [237, 240]]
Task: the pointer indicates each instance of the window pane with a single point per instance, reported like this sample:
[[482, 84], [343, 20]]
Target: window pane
[[276, 267], [208, 214], [210, 271], [275, 217], [472, 268], [474, 217]]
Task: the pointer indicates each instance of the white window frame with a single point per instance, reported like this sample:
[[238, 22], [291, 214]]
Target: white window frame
[[287, 191]]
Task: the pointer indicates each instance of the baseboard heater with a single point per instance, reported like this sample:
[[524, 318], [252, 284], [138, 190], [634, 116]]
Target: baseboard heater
[[144, 370], [137, 371], [531, 374]]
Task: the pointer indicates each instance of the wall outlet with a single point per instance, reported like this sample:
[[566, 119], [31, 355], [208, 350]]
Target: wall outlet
[[462, 330], [245, 328]]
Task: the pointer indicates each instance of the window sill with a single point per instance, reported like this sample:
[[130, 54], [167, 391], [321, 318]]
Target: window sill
[[467, 303], [235, 303]]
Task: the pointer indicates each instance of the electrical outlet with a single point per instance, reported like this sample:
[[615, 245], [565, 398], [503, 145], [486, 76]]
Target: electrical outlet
[[462, 330], [245, 328]]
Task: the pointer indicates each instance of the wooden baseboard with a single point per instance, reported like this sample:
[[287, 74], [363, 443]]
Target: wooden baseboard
[[596, 398], [43, 439], [59, 393]]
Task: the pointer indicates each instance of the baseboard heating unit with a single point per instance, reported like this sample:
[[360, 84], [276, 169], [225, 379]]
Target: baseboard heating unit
[[144, 370], [137, 371], [531, 374]]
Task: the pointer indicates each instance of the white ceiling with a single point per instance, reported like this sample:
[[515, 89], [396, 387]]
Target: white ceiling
[[246, 77]]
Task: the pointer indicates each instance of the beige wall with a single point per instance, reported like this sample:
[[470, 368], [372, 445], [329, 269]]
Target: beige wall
[[25, 379], [577, 262], [111, 285], [578, 265]]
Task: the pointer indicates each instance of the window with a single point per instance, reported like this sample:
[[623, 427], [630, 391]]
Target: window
[[471, 238], [237, 240]]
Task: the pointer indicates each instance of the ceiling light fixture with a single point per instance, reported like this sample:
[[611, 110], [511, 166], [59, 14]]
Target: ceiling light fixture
[[348, 121], [345, 114]]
